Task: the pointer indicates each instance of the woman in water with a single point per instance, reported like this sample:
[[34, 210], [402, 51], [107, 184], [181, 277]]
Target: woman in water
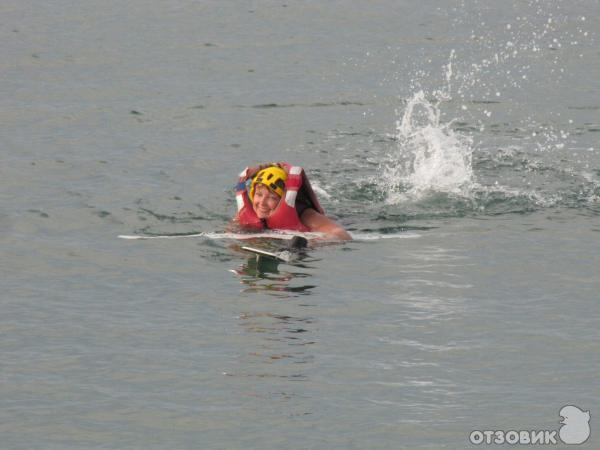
[[279, 196]]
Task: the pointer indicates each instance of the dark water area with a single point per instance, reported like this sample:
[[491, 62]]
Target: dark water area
[[458, 143]]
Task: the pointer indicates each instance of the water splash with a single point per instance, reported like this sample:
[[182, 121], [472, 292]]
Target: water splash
[[430, 157], [483, 108]]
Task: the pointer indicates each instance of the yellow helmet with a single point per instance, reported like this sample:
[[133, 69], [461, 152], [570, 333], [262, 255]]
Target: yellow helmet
[[272, 177]]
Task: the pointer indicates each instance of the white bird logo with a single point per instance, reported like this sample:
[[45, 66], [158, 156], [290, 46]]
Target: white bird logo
[[575, 425]]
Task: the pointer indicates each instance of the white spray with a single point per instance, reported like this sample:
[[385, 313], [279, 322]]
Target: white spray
[[430, 156]]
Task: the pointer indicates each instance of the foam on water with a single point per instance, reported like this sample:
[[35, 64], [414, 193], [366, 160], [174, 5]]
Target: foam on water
[[320, 191], [379, 236]]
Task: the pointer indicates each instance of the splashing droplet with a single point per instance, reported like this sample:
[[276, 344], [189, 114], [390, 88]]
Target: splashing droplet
[[430, 156]]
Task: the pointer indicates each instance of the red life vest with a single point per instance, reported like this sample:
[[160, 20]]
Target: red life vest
[[285, 216]]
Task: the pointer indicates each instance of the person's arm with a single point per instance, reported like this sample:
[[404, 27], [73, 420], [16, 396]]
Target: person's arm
[[316, 221]]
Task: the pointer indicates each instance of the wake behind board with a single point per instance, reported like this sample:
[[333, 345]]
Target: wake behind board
[[283, 235]]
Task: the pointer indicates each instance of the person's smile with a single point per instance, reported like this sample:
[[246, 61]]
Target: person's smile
[[264, 202]]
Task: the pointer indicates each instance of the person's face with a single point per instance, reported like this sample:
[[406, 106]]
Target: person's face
[[264, 202]]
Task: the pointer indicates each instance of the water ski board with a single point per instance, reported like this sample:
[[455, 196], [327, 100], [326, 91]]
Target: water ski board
[[284, 256], [296, 244]]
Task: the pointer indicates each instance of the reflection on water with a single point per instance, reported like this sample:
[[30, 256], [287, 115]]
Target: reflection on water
[[261, 274], [279, 329], [277, 335], [276, 348]]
